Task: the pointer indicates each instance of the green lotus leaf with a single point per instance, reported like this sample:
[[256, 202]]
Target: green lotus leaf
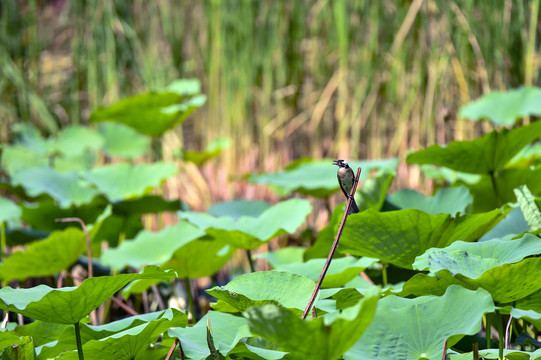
[[504, 108], [487, 196], [124, 181], [250, 232], [17, 158], [239, 208], [512, 225], [75, 140], [445, 201], [530, 302], [128, 343], [154, 113], [322, 338], [474, 259], [228, 332], [286, 289], [484, 155], [371, 194], [340, 272], [494, 354], [532, 316], [214, 149], [48, 304], [65, 188], [16, 347], [123, 141], [9, 211], [151, 248], [487, 264], [529, 208], [45, 257], [417, 328], [284, 256], [318, 178], [397, 237]]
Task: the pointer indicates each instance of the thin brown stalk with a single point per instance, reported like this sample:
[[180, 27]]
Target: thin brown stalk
[[333, 248], [507, 332], [444, 350], [156, 292], [170, 353], [88, 243], [125, 307]]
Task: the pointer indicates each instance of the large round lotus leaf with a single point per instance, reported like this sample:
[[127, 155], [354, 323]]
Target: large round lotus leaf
[[73, 141], [483, 155], [488, 264], [417, 328], [123, 141], [323, 338], [284, 256], [513, 224], [318, 178], [49, 304], [45, 257], [504, 108], [474, 259], [65, 188], [249, 232], [278, 287], [239, 208], [154, 113], [397, 237], [494, 354], [340, 272], [445, 201], [17, 158], [124, 181], [229, 334], [128, 343], [151, 248], [9, 211]]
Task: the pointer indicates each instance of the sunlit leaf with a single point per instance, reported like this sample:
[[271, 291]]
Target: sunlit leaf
[[75, 140], [46, 257], [124, 181], [284, 256], [65, 188], [213, 150], [17, 158], [318, 178], [9, 211], [123, 141], [239, 208], [445, 201], [151, 248], [289, 290], [529, 208], [484, 155], [249, 232], [494, 354], [154, 113], [504, 108], [16, 347], [417, 328], [397, 237], [48, 304], [322, 338]]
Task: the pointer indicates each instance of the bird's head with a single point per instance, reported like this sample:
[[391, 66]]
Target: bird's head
[[340, 163]]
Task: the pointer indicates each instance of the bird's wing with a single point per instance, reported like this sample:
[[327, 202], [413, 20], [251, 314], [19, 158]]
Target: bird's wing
[[341, 187]]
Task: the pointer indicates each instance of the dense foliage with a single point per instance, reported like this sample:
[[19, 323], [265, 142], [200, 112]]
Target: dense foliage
[[436, 270]]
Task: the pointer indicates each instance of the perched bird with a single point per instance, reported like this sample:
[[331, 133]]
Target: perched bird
[[345, 179]]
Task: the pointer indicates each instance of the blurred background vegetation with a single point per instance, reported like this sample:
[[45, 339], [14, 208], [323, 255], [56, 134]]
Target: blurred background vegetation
[[284, 79]]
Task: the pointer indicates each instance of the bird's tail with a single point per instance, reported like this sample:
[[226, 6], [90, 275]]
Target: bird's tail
[[353, 209]]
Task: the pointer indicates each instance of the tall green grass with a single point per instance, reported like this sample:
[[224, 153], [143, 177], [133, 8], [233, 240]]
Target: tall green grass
[[285, 79]]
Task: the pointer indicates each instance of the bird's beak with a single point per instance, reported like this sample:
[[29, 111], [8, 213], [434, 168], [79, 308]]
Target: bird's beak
[[335, 162]]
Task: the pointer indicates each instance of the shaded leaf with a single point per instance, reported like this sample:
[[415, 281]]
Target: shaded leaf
[[45, 257], [124, 181], [284, 256], [289, 290], [494, 354], [17, 158], [48, 304], [322, 338], [397, 237], [445, 201], [239, 208], [417, 328], [9, 211], [250, 232], [513, 224], [504, 108], [214, 149], [75, 140], [483, 155]]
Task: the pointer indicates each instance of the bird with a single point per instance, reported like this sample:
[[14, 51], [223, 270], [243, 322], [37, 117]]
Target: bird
[[345, 177]]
